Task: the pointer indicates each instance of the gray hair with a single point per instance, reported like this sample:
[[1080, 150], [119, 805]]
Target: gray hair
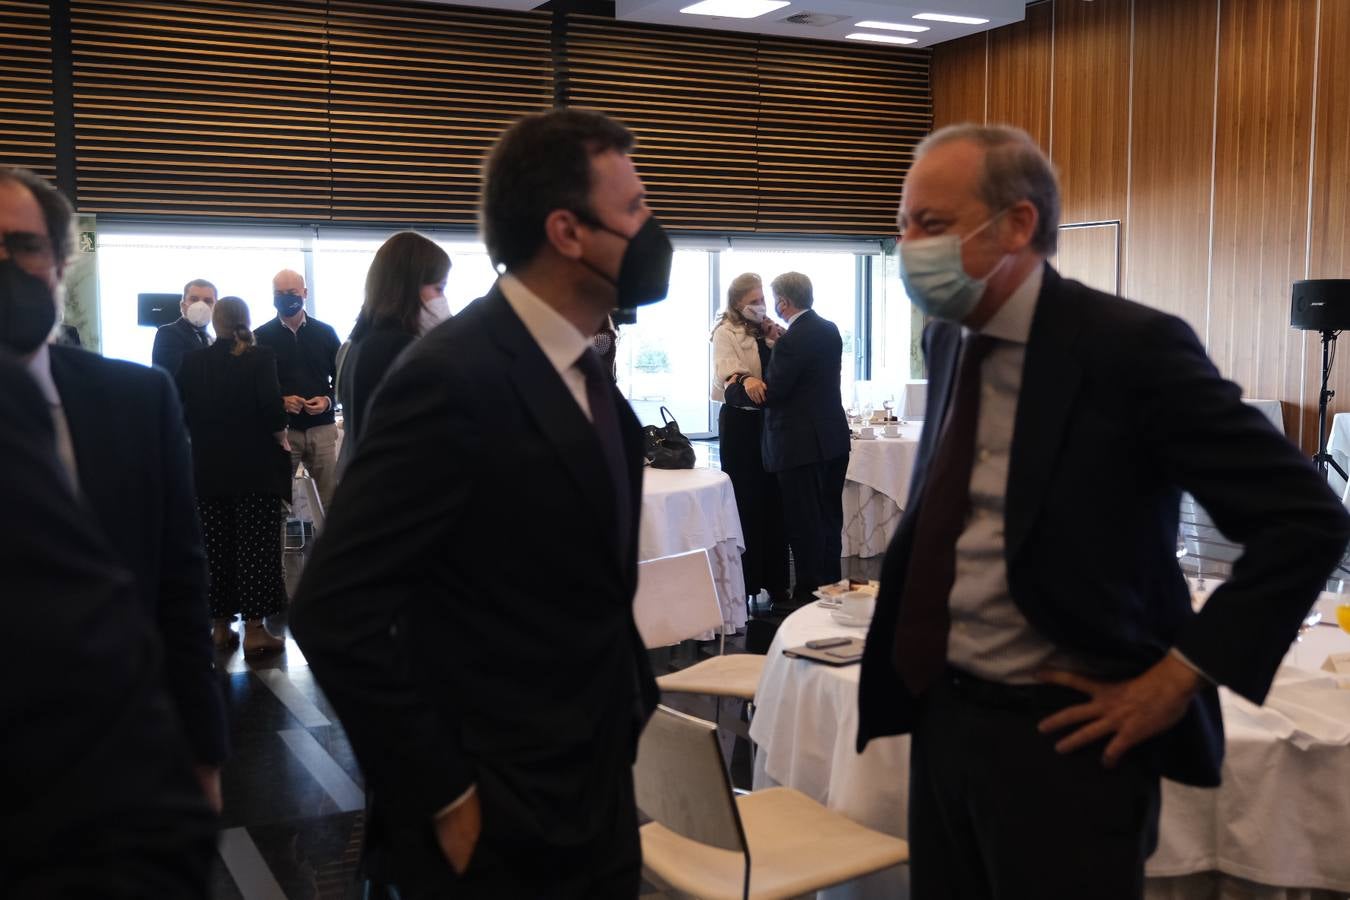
[[1015, 169], [796, 287]]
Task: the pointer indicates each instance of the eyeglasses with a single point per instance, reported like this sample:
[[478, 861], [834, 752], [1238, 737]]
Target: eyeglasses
[[31, 252]]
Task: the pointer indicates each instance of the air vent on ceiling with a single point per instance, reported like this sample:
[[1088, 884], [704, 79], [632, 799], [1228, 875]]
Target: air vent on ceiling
[[815, 20]]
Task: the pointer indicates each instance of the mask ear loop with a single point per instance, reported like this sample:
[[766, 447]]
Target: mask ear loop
[[1002, 259]]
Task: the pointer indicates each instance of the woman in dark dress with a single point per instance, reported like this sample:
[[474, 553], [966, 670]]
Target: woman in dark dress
[[241, 463], [741, 344], [405, 298]]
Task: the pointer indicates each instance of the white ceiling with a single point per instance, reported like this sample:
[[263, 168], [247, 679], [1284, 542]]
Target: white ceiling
[[667, 12]]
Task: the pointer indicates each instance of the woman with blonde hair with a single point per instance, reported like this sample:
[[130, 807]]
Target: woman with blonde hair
[[241, 462], [742, 342]]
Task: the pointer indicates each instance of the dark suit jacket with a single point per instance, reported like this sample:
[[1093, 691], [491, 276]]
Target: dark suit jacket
[[804, 419], [173, 341], [97, 796], [233, 407], [367, 362], [135, 475], [1120, 411], [468, 609]]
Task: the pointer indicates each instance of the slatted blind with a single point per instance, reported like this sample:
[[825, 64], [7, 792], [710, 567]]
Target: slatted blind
[[690, 98], [419, 95], [27, 130], [837, 130], [209, 107]]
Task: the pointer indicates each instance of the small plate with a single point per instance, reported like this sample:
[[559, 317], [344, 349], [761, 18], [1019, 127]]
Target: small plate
[[839, 616]]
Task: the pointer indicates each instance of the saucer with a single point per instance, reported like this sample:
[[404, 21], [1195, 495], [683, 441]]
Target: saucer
[[852, 622]]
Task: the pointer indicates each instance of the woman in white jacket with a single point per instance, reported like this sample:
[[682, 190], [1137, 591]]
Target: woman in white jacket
[[741, 343]]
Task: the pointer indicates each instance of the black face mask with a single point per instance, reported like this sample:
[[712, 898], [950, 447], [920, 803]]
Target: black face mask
[[287, 304], [27, 309], [644, 272]]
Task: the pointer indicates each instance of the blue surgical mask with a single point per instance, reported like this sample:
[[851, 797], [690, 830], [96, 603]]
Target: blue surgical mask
[[935, 278], [287, 304]]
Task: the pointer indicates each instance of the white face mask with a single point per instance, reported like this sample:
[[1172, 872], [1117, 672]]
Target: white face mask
[[198, 313], [936, 279], [434, 312], [753, 313]]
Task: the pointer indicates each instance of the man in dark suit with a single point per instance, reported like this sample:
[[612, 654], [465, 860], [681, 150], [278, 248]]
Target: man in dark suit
[[468, 609], [806, 439], [188, 331], [99, 794], [120, 438], [1033, 631]]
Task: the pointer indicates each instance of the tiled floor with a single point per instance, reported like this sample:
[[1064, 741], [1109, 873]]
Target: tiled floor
[[293, 791]]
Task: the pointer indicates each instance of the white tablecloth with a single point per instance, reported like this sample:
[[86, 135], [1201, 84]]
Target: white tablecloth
[[1282, 816], [1338, 445], [695, 509], [875, 490]]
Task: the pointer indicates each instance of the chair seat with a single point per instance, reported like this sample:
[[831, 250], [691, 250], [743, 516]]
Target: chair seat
[[732, 675], [796, 846]]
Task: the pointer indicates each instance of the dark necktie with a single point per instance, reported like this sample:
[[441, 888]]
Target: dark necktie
[[925, 613], [600, 397]]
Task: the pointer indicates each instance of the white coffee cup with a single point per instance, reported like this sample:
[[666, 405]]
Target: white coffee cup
[[867, 431], [858, 605], [892, 430]]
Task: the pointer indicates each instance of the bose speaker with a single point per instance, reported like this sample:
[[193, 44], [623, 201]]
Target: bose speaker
[[1321, 304], [157, 309]]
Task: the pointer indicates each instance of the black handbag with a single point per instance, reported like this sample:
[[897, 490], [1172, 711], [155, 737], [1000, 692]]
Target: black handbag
[[665, 446]]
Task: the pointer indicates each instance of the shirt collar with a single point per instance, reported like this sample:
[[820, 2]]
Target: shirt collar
[[795, 316], [304, 320], [560, 340], [1012, 322], [40, 367]]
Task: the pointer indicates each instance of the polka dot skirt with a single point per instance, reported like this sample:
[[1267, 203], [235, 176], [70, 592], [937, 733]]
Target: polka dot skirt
[[243, 555]]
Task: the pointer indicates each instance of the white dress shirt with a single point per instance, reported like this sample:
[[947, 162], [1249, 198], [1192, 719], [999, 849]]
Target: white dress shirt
[[560, 340], [990, 638]]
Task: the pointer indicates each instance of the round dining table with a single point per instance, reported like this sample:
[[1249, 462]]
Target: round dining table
[[695, 509], [876, 488], [1277, 829]]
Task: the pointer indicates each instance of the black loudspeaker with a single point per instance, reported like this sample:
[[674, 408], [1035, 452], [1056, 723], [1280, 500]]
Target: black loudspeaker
[[157, 309], [1321, 304]]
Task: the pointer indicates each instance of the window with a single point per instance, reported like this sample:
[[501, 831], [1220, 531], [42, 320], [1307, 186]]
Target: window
[[132, 263], [242, 264], [663, 360], [835, 284]]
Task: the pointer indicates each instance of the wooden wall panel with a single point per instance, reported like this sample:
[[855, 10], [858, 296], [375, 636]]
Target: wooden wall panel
[[1019, 73], [1170, 115], [1089, 123], [1172, 139], [959, 72], [1091, 255], [1329, 214], [1262, 157]]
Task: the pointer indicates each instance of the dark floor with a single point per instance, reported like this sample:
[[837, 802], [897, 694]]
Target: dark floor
[[293, 791]]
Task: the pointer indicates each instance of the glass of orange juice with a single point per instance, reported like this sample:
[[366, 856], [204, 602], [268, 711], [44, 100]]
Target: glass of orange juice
[[1343, 616]]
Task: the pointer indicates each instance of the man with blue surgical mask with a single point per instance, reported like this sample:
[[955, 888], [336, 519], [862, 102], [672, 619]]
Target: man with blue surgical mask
[[306, 352], [1033, 631]]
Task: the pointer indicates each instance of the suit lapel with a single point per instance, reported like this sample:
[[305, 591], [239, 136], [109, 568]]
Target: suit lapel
[[944, 351], [83, 407], [549, 402], [1051, 375]]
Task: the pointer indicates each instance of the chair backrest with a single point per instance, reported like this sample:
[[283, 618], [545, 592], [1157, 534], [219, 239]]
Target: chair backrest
[[681, 781], [676, 599]]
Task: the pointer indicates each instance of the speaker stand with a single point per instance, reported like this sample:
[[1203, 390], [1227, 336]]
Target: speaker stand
[[1322, 458]]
